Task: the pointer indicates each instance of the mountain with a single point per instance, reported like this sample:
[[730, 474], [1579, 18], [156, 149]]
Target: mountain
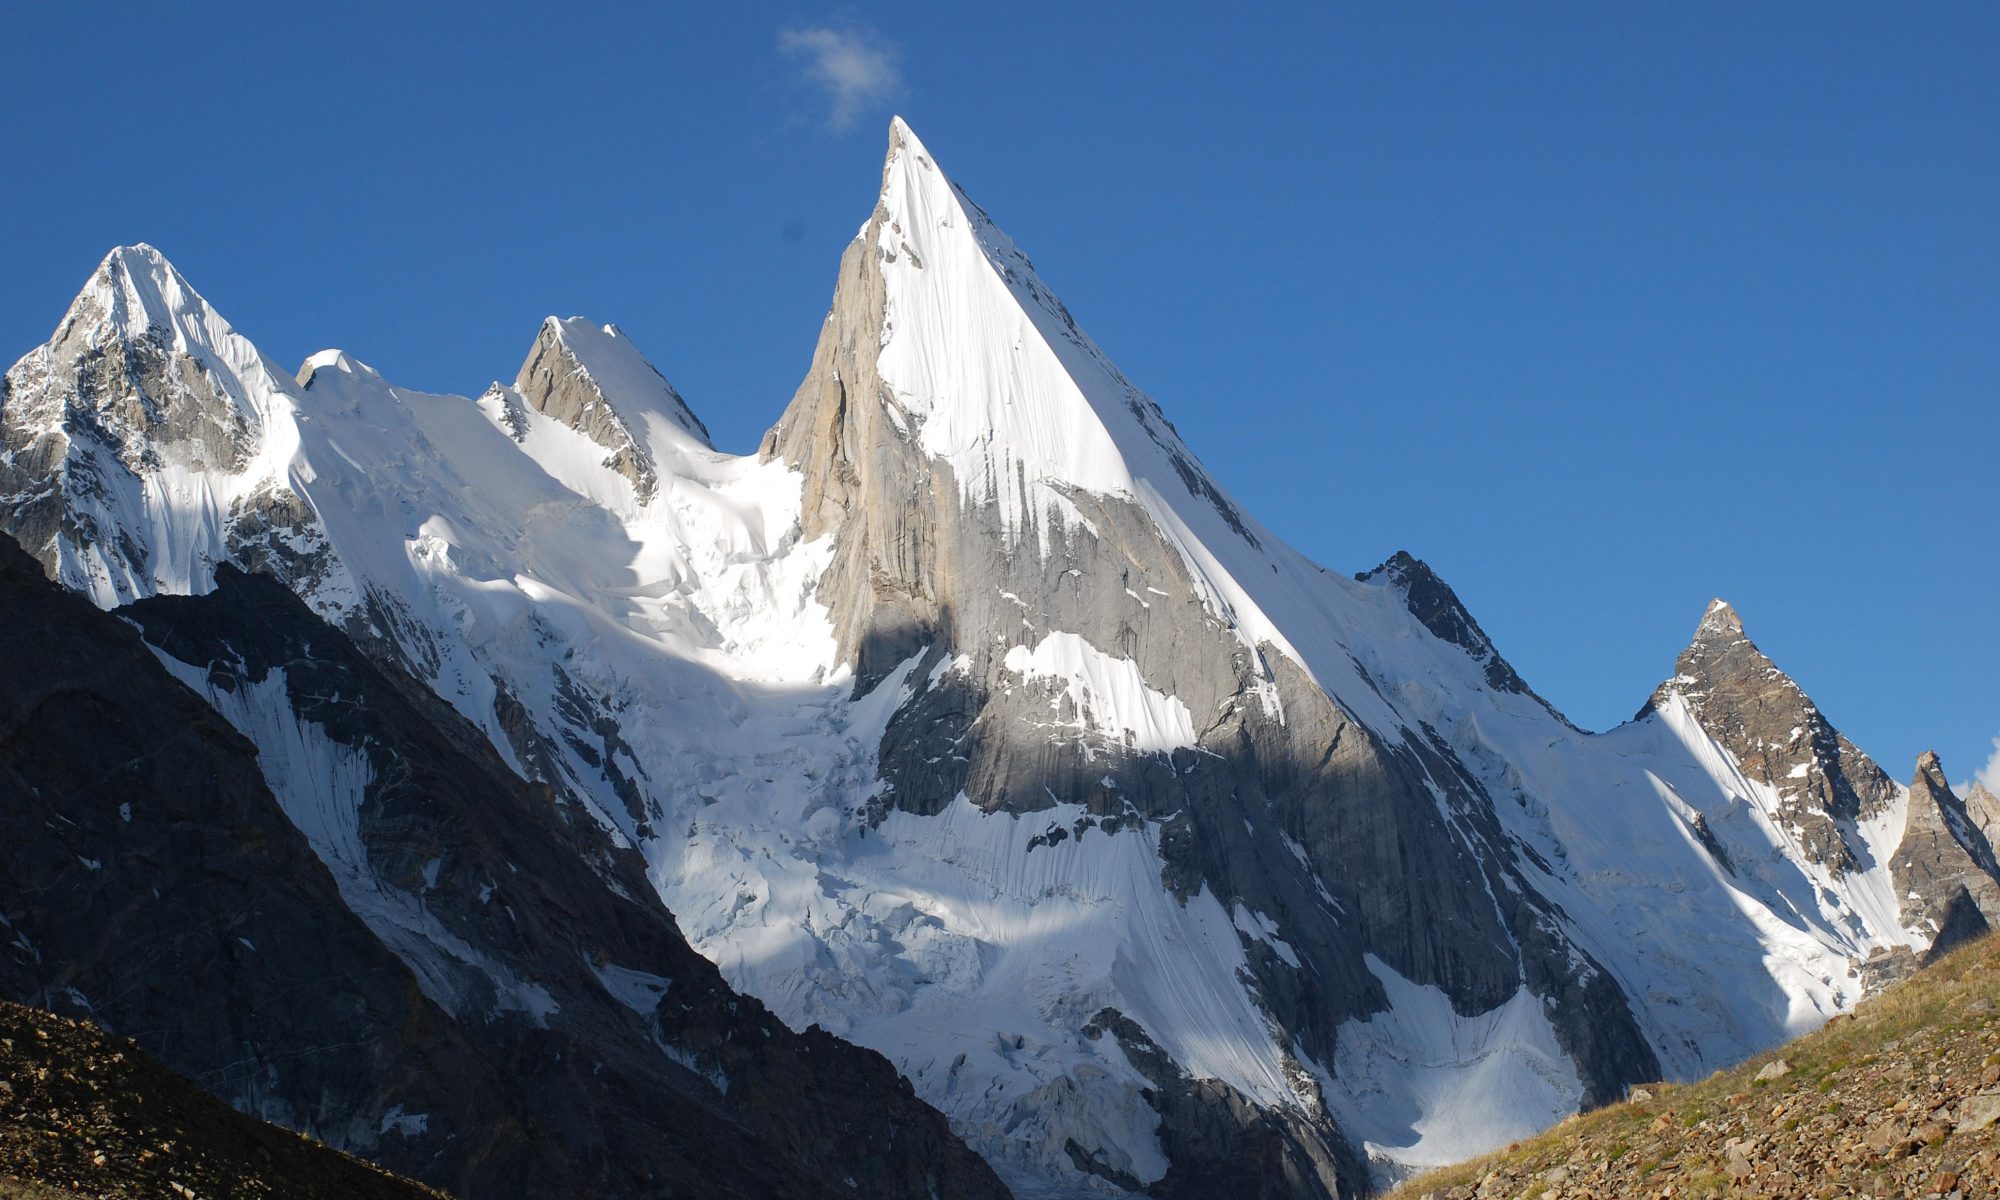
[[971, 721], [298, 878], [1900, 1098], [82, 1114]]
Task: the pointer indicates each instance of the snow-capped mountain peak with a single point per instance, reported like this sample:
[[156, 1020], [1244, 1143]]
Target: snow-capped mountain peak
[[161, 439], [136, 288], [1761, 715], [972, 721], [138, 297], [592, 379], [992, 375]]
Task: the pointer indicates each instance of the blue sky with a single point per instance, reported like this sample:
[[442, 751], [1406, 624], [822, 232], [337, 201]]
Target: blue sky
[[1602, 309]]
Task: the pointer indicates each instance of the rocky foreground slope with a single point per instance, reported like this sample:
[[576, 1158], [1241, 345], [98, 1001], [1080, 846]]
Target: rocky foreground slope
[[1901, 1098], [87, 1115], [969, 720]]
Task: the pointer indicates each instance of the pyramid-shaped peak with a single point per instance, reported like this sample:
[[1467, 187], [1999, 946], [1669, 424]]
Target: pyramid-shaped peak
[[1720, 618], [918, 200], [591, 378], [137, 296], [905, 146], [615, 371], [142, 257], [1437, 607], [135, 288]]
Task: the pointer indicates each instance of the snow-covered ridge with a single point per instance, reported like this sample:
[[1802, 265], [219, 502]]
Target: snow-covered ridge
[[640, 621], [632, 386]]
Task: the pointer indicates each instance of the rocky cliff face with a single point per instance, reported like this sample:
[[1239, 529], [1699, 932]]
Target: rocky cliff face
[[1984, 809], [973, 722], [558, 381], [495, 998], [1778, 734], [1945, 864], [143, 406], [1076, 669]]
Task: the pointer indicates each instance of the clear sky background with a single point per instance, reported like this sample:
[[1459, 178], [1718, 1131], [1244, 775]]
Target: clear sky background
[[1601, 308]]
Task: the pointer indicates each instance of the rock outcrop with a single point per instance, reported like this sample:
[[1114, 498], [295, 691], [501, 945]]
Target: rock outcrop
[[347, 915], [1775, 731], [1944, 864], [971, 721], [590, 379]]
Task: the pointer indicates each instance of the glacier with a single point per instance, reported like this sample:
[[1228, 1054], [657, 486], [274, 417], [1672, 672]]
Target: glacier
[[716, 656]]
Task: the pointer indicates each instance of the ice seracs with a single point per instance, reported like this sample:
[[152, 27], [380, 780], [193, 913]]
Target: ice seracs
[[972, 720]]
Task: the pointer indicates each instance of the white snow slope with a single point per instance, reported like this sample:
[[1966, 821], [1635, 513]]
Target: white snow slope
[[514, 570]]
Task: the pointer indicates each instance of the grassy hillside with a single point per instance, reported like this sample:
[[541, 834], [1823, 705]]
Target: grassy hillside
[[1902, 1098], [86, 1115]]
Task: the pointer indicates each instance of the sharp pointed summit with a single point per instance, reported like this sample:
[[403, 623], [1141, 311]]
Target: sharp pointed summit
[[1720, 619], [165, 433], [592, 379], [1761, 716], [969, 721], [1432, 601], [1945, 864]]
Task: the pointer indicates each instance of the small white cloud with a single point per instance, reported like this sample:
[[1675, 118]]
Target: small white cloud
[[855, 69], [1990, 773]]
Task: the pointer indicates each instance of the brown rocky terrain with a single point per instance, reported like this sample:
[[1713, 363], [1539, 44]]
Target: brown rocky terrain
[[86, 1114], [1902, 1098]]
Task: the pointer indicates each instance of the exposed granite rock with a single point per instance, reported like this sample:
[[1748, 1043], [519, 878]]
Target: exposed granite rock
[[1219, 1143], [1946, 877], [511, 1009], [112, 399], [1431, 601], [1984, 808], [554, 380], [1778, 735], [1349, 853]]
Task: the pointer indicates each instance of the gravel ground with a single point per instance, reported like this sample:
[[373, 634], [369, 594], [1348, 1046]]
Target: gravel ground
[[1901, 1099]]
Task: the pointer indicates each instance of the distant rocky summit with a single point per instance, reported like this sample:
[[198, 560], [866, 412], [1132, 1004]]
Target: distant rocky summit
[[961, 793]]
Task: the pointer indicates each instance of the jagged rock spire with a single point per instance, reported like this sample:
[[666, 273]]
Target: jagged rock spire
[[143, 388], [1944, 869], [594, 380], [1433, 602], [1778, 735]]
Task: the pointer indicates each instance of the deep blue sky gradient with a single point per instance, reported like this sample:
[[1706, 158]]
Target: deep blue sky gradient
[[1603, 309]]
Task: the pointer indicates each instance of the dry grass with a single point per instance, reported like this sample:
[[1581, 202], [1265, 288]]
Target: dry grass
[[1882, 1103]]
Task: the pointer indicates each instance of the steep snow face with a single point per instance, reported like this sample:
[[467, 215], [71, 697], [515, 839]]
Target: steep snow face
[[965, 356], [644, 402], [1095, 691], [997, 382], [1140, 814], [1426, 1087], [148, 441]]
